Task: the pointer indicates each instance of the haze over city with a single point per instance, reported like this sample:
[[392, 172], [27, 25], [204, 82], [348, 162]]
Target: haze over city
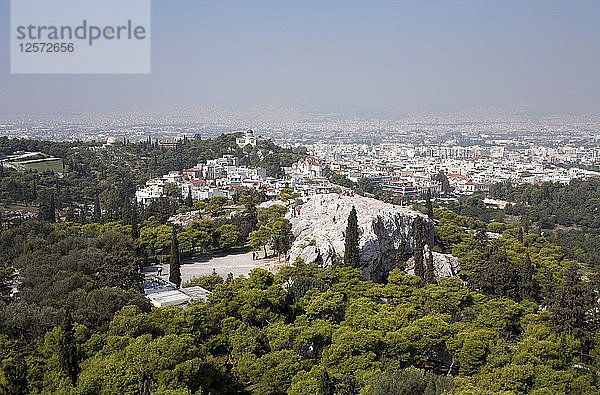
[[370, 59]]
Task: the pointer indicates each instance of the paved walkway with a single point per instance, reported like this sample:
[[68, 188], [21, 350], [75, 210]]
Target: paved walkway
[[203, 265]]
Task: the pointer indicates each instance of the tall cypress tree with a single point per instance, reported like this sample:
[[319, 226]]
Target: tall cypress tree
[[418, 248], [571, 301], [428, 204], [351, 252], [52, 209], [526, 272], [175, 266], [250, 215], [68, 359], [429, 270], [135, 227], [47, 210], [188, 199]]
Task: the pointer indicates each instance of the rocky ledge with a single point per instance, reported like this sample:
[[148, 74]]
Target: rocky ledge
[[385, 230]]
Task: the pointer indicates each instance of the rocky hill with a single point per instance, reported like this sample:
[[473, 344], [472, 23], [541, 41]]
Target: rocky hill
[[385, 230]]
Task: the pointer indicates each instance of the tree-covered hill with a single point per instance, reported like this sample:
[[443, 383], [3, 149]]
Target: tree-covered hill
[[113, 172], [518, 321]]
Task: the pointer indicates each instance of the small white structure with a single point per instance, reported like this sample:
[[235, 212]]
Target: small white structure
[[172, 297], [149, 194], [247, 139], [162, 293], [310, 167]]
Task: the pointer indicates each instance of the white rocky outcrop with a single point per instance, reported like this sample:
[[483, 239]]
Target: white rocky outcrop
[[444, 265], [184, 219], [385, 230]]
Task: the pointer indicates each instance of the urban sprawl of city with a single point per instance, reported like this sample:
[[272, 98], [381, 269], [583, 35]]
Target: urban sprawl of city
[[403, 157]]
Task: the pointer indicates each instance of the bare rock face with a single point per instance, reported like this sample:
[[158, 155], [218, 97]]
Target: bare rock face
[[184, 219], [385, 230], [444, 265]]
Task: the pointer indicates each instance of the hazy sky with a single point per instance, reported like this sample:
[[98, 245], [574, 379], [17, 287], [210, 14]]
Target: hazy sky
[[404, 56]]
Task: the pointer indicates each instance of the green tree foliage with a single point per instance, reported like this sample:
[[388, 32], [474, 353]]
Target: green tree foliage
[[496, 275], [188, 198], [97, 213], [410, 381], [260, 238], [339, 179], [351, 250], [267, 216], [418, 247], [47, 211], [201, 234], [322, 330], [429, 268], [526, 278], [428, 204], [288, 194], [282, 235], [15, 374], [227, 236], [209, 282], [305, 330], [365, 185], [174, 261], [68, 359], [571, 304], [443, 180], [93, 270], [216, 205]]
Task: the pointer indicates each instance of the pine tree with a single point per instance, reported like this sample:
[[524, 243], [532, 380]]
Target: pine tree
[[428, 204], [351, 251], [175, 265], [97, 215], [68, 359], [418, 247], [429, 270]]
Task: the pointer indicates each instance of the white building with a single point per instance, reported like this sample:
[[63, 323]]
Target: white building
[[309, 167], [200, 191], [149, 194], [247, 139]]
